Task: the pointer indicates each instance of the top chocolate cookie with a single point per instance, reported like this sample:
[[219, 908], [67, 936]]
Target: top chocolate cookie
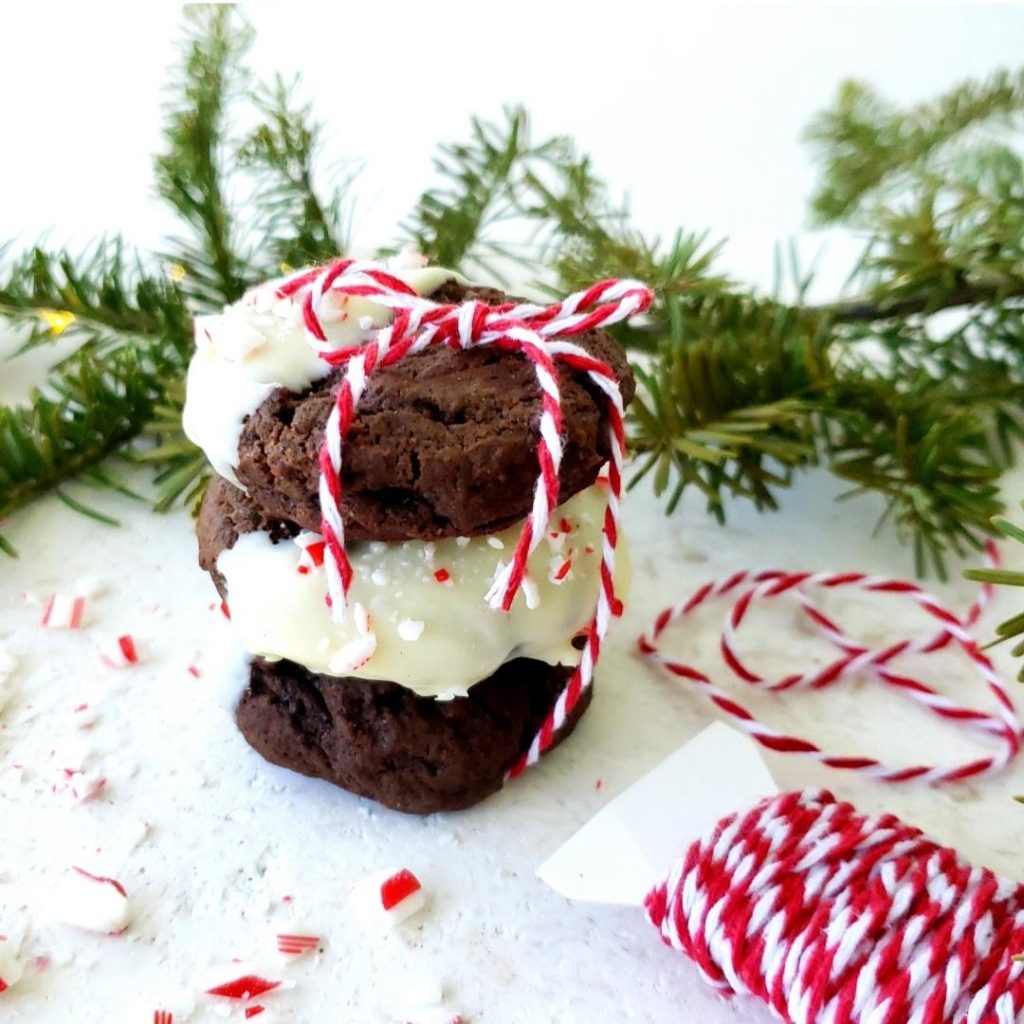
[[443, 443]]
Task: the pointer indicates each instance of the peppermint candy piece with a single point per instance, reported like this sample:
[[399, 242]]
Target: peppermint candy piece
[[312, 546], [78, 786], [120, 652], [388, 898], [241, 981], [290, 945], [91, 902], [11, 968], [63, 611]]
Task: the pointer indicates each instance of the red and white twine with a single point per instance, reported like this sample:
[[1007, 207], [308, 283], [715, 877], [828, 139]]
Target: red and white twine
[[745, 588], [538, 333], [832, 917]]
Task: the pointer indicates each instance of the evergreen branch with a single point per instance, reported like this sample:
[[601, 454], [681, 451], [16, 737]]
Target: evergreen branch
[[94, 408], [101, 292], [1013, 627], [867, 145], [190, 172], [298, 226], [182, 470], [484, 176]]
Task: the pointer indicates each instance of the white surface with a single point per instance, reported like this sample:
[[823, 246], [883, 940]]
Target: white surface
[[695, 110], [231, 835], [625, 849]]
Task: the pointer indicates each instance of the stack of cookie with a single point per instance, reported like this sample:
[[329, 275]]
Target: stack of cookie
[[423, 695]]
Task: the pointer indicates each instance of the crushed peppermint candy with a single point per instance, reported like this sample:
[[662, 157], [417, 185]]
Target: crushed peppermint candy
[[85, 716], [120, 653], [411, 629], [78, 786], [297, 945], [11, 967], [91, 902], [312, 546], [388, 898], [241, 981], [63, 611], [163, 1017], [443, 576], [561, 571], [254, 1011], [359, 651]]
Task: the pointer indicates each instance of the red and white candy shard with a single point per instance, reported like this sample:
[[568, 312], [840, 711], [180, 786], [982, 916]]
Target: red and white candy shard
[[11, 968], [296, 945], [163, 1017], [389, 897], [91, 902], [359, 651], [77, 785], [241, 981], [120, 652], [63, 611], [312, 547]]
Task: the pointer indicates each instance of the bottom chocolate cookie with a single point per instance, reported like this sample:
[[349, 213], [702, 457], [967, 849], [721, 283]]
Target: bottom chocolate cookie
[[381, 740]]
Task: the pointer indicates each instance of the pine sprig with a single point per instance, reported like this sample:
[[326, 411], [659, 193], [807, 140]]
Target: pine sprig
[[190, 173], [298, 227], [93, 405], [1013, 627], [102, 294], [866, 145]]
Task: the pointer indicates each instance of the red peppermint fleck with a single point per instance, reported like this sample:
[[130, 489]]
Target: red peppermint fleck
[[287, 899], [565, 525], [563, 570], [248, 986], [41, 963], [193, 671], [589, 549], [398, 887], [3, 986], [127, 645], [253, 1011], [81, 707], [442, 575], [296, 945], [599, 785], [316, 552], [303, 570], [163, 1017], [100, 879], [225, 610]]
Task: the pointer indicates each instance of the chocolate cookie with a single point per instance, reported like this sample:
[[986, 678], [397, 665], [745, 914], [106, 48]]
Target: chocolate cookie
[[225, 515], [380, 740], [443, 444]]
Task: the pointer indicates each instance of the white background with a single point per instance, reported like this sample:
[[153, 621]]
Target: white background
[[695, 111], [697, 114]]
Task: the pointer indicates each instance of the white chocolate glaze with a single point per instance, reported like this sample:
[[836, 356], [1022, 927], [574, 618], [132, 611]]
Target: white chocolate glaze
[[259, 344], [435, 633]]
